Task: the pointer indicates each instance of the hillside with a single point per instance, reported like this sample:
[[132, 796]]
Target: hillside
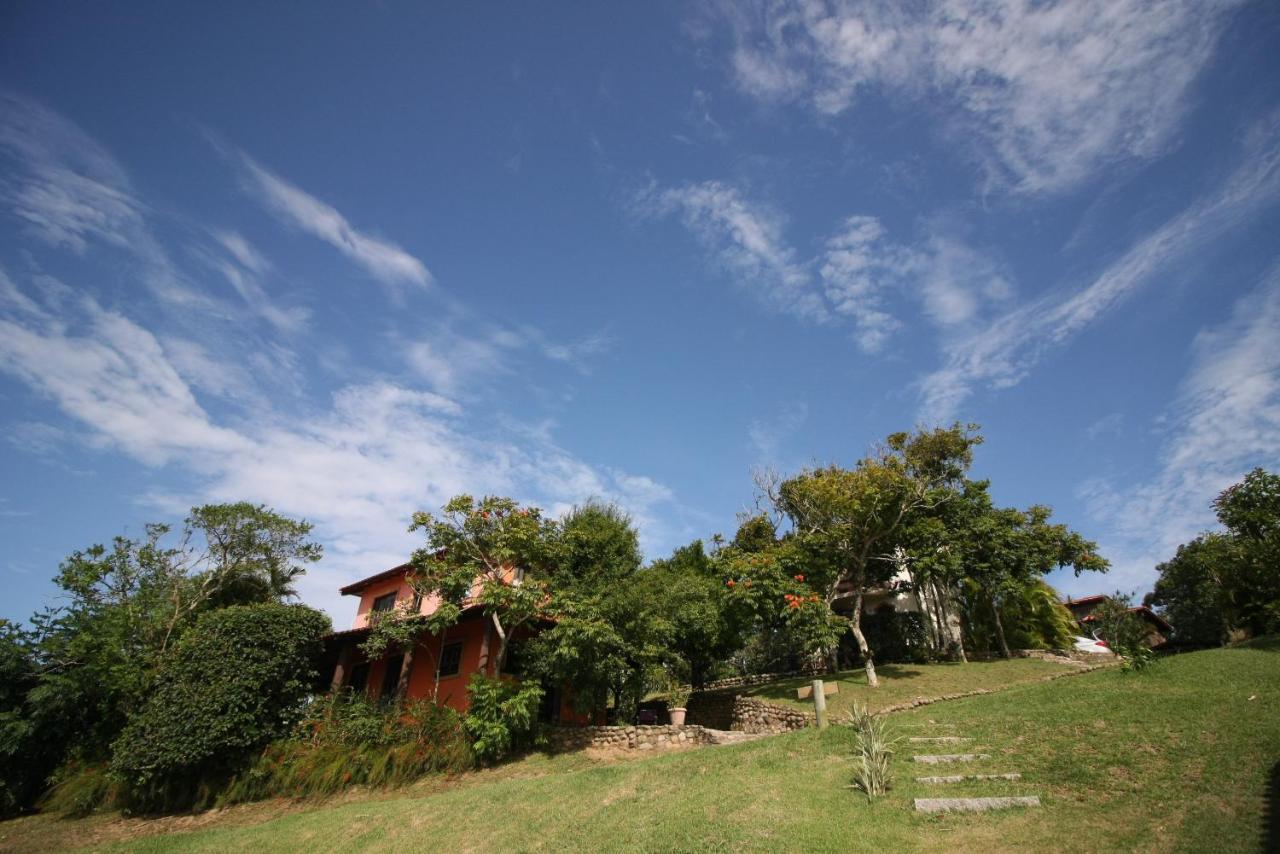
[[1176, 759]]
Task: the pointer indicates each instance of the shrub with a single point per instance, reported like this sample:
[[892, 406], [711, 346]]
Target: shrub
[[502, 715], [349, 740], [875, 749], [235, 682], [79, 789]]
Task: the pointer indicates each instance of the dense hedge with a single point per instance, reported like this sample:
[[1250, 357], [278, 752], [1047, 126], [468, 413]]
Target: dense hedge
[[235, 682]]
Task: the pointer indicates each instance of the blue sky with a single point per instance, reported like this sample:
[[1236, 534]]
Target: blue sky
[[351, 259]]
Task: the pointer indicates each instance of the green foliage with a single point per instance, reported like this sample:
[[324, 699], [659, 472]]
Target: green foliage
[[79, 789], [874, 747], [349, 740], [1031, 613], [850, 516], [779, 590], [898, 636], [1124, 632], [599, 648], [234, 683], [677, 695], [1191, 592], [1227, 585], [690, 597], [599, 547], [502, 715], [493, 553]]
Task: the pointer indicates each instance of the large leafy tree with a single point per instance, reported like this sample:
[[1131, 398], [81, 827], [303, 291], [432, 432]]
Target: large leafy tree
[[1250, 511], [492, 553], [1228, 583], [706, 625], [1193, 590], [1006, 551], [606, 633], [94, 658], [852, 515], [232, 684]]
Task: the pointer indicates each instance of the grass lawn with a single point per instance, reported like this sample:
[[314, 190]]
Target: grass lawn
[[904, 682], [1177, 759]]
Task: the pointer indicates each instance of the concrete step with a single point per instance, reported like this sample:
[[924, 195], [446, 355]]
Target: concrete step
[[975, 804], [941, 758], [965, 778], [937, 739]]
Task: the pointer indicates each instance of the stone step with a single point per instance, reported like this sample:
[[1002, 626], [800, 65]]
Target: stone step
[[938, 759], [937, 739], [964, 778], [974, 804]]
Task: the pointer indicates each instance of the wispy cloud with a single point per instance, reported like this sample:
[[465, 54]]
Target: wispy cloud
[[856, 274], [746, 238], [1002, 353], [243, 267], [71, 193], [767, 435], [357, 466], [384, 260], [1225, 420], [1049, 92]]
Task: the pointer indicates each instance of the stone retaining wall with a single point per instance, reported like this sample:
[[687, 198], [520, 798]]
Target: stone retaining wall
[[629, 737], [756, 679], [751, 715]]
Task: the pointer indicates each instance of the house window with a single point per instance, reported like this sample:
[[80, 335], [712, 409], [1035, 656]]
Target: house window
[[384, 603], [451, 659], [391, 677]]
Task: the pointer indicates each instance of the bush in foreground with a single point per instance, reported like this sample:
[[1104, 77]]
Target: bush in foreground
[[350, 740], [237, 681]]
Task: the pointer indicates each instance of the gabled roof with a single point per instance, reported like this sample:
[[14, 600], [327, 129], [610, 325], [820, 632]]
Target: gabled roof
[[1086, 600], [359, 586]]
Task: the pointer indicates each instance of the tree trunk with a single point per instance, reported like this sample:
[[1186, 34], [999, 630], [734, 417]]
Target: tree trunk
[[406, 667], [1004, 645], [944, 600], [502, 645], [856, 627]]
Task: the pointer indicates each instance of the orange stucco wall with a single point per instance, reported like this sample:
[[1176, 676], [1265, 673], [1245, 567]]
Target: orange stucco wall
[[452, 690]]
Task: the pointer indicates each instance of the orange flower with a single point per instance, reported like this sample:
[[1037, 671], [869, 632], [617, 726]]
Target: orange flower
[[729, 582], [799, 578]]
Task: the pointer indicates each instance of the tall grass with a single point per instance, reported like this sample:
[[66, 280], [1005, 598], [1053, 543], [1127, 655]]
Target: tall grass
[[874, 749], [80, 788], [352, 741]]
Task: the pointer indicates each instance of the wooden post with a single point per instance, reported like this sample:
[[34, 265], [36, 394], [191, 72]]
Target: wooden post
[[819, 704], [342, 672]]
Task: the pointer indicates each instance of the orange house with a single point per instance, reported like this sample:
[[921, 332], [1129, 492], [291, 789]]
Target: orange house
[[441, 665]]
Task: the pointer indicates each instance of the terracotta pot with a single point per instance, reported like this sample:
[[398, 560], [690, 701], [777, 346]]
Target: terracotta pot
[[677, 716]]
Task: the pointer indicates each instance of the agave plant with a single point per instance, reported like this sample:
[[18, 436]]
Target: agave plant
[[874, 746]]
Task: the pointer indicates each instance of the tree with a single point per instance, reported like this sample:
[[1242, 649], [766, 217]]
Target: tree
[[1005, 551], [94, 658], [689, 593], [851, 515], [1228, 584], [232, 684], [599, 548], [1192, 590], [1250, 511], [257, 553], [492, 553], [607, 632]]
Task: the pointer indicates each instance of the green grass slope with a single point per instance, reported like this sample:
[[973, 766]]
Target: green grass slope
[[1177, 759], [904, 682]]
